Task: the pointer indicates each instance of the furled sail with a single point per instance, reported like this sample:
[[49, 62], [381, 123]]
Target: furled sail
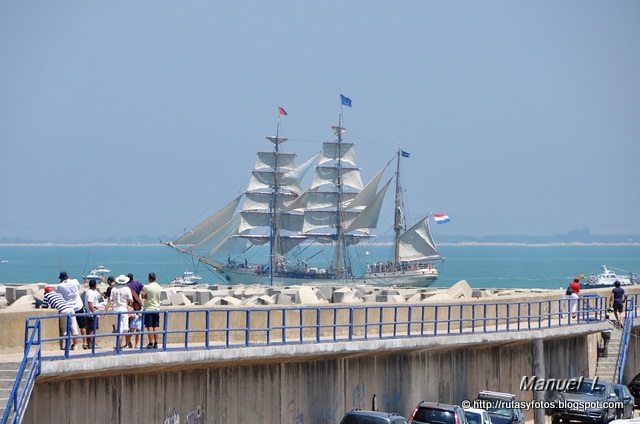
[[417, 244]]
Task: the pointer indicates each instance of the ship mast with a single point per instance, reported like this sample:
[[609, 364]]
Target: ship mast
[[274, 218], [339, 130], [397, 220]]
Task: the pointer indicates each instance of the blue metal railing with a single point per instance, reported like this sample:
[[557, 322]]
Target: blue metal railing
[[232, 327], [31, 362], [631, 314]]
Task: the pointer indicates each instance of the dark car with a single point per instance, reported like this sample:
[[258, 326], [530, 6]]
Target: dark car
[[624, 396], [634, 388], [599, 393], [359, 416], [502, 407], [440, 413]]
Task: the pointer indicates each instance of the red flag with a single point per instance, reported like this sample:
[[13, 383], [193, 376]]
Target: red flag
[[282, 111]]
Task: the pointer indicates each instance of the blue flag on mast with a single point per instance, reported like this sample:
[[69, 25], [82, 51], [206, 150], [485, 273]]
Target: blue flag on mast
[[404, 154], [345, 100]]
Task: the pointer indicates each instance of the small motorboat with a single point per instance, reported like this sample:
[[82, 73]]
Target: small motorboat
[[187, 278], [97, 273]]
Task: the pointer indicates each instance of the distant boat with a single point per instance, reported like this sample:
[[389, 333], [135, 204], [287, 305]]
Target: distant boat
[[3, 261], [97, 273], [187, 278], [608, 277]]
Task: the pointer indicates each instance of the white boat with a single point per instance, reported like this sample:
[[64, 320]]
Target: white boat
[[97, 273], [608, 277], [187, 278], [337, 210], [3, 261]]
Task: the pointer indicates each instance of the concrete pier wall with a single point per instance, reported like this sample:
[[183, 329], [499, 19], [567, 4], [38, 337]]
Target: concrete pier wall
[[301, 389]]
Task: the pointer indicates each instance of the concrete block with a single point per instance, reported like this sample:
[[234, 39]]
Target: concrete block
[[326, 292], [215, 301], [179, 299], [393, 298], [230, 300], [345, 295], [266, 300], [25, 302], [416, 297], [283, 299], [10, 294], [202, 296], [370, 298], [306, 296], [250, 300]]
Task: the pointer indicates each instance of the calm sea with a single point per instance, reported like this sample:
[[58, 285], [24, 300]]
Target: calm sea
[[481, 265]]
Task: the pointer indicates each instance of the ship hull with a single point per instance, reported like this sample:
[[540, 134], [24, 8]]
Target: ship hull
[[409, 278]]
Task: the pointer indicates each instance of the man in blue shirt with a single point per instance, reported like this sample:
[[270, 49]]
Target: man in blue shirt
[[618, 299]]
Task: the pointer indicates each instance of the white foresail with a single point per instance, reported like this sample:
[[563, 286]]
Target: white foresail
[[368, 218], [299, 172], [210, 225], [417, 244], [368, 193], [221, 242]]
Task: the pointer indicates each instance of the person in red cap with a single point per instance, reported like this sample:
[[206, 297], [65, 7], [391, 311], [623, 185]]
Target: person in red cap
[[55, 300], [575, 297]]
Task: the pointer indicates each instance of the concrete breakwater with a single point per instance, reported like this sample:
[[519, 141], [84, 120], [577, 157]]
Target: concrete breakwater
[[30, 295]]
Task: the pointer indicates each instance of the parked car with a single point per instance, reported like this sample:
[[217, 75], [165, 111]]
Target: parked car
[[634, 388], [624, 396], [440, 413], [359, 416], [477, 416], [589, 391], [501, 407]]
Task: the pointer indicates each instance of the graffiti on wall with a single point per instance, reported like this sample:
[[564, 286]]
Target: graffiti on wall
[[197, 416]]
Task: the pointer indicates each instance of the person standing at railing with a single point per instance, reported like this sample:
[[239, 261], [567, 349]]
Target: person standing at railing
[[91, 302], [70, 288], [575, 297], [121, 299], [151, 296], [617, 300], [55, 300]]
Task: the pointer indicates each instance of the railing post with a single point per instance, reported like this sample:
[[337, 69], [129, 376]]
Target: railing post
[[318, 325], [247, 327], [351, 324]]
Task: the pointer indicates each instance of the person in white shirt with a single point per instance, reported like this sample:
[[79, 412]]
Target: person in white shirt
[[91, 301], [121, 298], [70, 288]]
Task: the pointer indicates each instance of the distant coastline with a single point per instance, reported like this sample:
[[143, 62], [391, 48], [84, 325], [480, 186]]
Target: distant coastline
[[384, 243]]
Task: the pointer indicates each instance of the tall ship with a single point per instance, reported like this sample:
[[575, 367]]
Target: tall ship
[[337, 211]]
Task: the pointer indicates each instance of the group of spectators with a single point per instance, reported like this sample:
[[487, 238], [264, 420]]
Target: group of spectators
[[130, 298]]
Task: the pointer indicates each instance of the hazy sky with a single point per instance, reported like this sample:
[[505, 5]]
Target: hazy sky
[[142, 117]]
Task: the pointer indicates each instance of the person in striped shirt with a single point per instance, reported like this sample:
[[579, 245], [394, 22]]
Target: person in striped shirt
[[54, 300]]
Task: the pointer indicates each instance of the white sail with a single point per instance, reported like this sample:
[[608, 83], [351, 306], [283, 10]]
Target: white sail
[[332, 151], [210, 225], [262, 180], [221, 241], [417, 244], [299, 172], [267, 160], [368, 218], [329, 176], [368, 193]]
